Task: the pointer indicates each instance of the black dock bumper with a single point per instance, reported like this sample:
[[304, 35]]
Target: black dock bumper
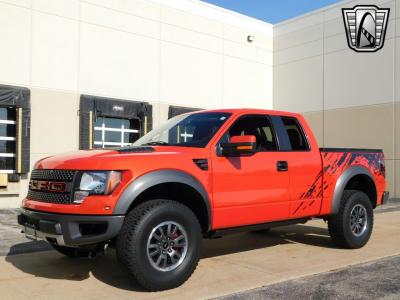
[[385, 198], [69, 230]]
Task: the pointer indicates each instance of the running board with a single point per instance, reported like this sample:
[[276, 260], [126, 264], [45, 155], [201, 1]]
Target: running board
[[221, 232]]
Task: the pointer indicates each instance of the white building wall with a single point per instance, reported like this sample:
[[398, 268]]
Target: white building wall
[[350, 99], [180, 52]]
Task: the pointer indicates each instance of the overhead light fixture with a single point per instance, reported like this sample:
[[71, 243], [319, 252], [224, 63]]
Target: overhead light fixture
[[250, 38]]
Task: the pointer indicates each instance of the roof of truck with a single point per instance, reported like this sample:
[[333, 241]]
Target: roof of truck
[[249, 111]]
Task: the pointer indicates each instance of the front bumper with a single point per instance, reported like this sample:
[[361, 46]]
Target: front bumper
[[69, 230]]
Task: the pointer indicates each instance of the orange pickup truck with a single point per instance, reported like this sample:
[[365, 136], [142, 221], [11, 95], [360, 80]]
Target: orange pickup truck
[[200, 175]]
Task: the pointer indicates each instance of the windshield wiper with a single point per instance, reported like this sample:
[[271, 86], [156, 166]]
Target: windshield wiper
[[156, 143]]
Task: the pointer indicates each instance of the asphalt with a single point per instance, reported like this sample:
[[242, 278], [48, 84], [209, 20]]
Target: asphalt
[[378, 279]]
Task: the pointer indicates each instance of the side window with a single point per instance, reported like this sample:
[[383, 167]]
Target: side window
[[295, 133], [259, 126]]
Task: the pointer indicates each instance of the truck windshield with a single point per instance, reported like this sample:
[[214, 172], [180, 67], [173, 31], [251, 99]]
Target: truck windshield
[[188, 130]]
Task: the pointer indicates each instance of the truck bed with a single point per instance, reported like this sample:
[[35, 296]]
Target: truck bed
[[335, 161]]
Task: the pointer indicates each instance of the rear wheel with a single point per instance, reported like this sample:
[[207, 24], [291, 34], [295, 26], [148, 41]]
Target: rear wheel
[[352, 226], [160, 244]]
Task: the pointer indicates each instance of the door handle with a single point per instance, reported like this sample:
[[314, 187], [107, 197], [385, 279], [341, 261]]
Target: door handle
[[282, 166]]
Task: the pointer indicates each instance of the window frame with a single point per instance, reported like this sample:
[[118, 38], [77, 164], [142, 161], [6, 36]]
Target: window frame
[[273, 131], [102, 144], [286, 136]]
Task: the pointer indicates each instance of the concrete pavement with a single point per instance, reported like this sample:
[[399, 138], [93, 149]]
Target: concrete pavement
[[232, 264], [378, 279]]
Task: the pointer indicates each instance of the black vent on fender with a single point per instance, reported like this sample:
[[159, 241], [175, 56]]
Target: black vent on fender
[[202, 163]]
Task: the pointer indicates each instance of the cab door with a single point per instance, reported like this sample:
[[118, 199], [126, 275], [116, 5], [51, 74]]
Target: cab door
[[304, 162], [250, 189]]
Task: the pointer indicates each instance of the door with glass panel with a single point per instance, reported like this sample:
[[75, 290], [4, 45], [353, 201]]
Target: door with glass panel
[[8, 133], [115, 132]]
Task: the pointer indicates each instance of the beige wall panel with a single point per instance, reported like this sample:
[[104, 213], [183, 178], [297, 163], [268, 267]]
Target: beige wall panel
[[191, 38], [249, 87], [397, 179], [141, 8], [300, 52], [54, 52], [397, 76], [298, 23], [127, 66], [335, 43], [316, 122], [23, 3], [265, 56], [298, 37], [397, 8], [54, 121], [240, 35], [361, 127], [397, 130], [191, 21], [350, 82], [15, 33], [189, 76], [64, 8], [118, 20], [298, 85], [398, 24], [240, 50]]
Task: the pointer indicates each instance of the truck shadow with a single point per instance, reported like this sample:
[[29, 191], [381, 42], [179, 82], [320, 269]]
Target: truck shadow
[[51, 265]]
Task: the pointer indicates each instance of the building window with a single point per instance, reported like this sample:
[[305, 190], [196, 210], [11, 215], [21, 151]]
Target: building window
[[8, 136], [107, 122], [15, 123], [115, 132], [174, 111]]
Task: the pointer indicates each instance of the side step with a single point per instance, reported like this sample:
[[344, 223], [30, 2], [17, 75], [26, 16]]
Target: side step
[[221, 232]]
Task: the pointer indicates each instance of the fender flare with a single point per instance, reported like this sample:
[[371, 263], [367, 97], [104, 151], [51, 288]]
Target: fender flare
[[341, 183], [146, 181]]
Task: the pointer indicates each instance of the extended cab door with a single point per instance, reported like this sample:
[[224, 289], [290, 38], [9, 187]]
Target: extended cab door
[[304, 163], [250, 189]]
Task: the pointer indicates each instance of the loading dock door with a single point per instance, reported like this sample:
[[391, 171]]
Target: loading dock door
[[108, 122]]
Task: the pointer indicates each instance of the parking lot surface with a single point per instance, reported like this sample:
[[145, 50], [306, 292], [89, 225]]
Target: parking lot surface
[[230, 265], [378, 279]]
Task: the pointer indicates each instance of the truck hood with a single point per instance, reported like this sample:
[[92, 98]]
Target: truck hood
[[161, 156]]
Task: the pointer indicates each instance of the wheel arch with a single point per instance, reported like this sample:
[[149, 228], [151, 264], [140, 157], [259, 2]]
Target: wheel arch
[[166, 183], [355, 177]]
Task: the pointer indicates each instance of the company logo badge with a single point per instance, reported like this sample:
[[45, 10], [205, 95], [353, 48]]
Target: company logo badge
[[48, 186], [365, 27]]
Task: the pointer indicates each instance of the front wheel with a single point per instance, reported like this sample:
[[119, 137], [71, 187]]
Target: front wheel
[[352, 226], [160, 244]]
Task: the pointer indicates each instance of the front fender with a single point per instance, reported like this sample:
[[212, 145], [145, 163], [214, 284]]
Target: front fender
[[151, 179]]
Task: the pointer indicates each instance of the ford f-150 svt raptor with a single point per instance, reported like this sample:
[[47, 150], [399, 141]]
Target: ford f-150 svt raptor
[[202, 174]]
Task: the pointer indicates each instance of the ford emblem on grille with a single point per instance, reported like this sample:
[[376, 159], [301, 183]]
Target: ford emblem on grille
[[48, 186]]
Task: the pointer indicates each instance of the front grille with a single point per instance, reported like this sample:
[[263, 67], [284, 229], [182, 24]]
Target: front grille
[[62, 175], [66, 176], [56, 198]]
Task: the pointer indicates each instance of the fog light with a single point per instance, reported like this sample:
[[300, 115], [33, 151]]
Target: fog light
[[79, 196]]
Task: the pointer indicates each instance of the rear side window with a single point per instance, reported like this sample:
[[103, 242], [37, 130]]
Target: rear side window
[[295, 133]]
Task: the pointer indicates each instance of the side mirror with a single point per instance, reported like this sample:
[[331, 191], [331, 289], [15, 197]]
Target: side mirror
[[240, 145]]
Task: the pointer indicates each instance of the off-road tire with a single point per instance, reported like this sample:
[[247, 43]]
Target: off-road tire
[[339, 224], [132, 241]]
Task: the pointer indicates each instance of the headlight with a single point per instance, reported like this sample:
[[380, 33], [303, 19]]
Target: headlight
[[97, 183]]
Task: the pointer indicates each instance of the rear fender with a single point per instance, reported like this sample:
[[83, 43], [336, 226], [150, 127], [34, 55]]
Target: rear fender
[[342, 182]]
